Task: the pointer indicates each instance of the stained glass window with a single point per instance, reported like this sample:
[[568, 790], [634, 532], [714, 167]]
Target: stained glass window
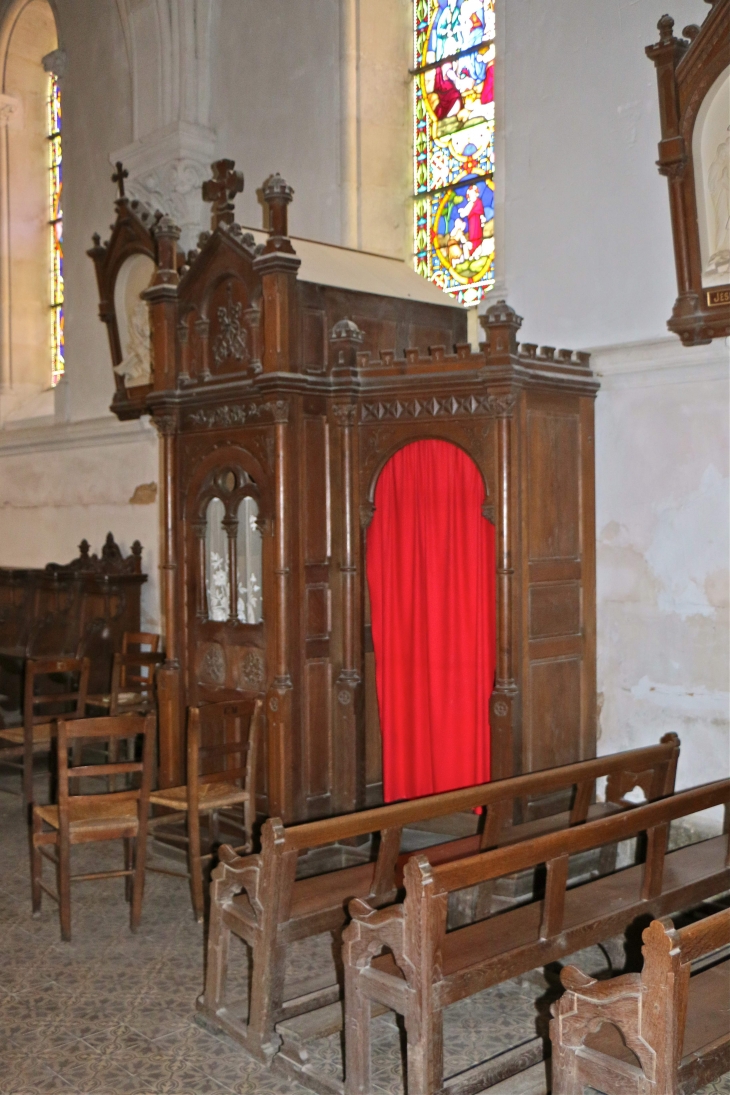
[[454, 145], [56, 224]]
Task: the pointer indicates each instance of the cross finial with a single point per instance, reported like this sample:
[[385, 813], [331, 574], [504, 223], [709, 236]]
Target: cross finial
[[119, 176], [221, 190]]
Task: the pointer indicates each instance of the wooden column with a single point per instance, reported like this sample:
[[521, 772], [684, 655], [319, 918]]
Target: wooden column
[[348, 747], [162, 298], [277, 267], [672, 162], [279, 699], [171, 764], [501, 324]]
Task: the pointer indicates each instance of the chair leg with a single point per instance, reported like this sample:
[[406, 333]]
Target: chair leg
[[140, 864], [128, 866], [64, 886], [28, 779], [195, 865], [36, 866]]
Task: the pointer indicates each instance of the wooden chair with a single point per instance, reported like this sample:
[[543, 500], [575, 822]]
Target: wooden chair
[[86, 818], [133, 671], [221, 764], [403, 958], [58, 695], [660, 1032]]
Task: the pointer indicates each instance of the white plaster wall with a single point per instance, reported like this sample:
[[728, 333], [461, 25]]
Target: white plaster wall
[[662, 524], [588, 249], [97, 118], [74, 484], [276, 107], [72, 477]]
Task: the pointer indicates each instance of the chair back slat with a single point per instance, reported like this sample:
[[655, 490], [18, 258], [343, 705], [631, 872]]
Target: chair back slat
[[235, 775], [136, 641], [120, 767]]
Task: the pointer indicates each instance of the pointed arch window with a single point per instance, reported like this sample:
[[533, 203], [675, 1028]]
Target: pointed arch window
[[31, 220], [56, 224], [453, 88]]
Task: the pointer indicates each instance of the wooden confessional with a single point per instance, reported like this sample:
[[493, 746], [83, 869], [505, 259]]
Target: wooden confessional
[[278, 401]]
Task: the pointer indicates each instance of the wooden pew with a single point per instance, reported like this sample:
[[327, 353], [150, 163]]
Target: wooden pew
[[259, 898], [427, 968], [674, 1029]]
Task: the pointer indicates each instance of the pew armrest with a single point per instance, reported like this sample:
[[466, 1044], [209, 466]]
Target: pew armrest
[[370, 930], [235, 874]]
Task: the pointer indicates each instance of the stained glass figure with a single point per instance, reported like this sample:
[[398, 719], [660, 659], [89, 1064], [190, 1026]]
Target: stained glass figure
[[454, 145], [56, 233]]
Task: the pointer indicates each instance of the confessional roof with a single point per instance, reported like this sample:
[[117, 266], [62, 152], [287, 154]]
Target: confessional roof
[[360, 271]]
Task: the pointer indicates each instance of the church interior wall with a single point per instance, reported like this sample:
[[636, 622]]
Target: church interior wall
[[662, 550], [587, 259]]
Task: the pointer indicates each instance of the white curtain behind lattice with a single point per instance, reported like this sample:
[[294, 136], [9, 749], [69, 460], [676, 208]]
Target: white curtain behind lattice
[[216, 561], [249, 564]]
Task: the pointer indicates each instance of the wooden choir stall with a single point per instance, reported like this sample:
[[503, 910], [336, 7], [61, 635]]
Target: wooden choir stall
[[280, 394], [79, 608]]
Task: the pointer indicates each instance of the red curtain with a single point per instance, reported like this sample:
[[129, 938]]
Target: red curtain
[[431, 573]]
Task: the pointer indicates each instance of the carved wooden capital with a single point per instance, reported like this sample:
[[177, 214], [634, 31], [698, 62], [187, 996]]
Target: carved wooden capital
[[278, 409], [345, 414], [503, 405], [166, 422]]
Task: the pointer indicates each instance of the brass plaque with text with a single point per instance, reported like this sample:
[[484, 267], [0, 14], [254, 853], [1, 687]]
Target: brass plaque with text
[[716, 297]]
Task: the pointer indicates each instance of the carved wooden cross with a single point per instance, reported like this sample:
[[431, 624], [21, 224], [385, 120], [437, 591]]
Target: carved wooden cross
[[221, 190], [119, 176]]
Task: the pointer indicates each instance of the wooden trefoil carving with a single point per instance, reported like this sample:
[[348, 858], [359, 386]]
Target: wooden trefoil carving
[[231, 340]]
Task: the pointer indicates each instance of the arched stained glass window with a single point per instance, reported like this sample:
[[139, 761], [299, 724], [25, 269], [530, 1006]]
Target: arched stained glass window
[[56, 223], [454, 145]]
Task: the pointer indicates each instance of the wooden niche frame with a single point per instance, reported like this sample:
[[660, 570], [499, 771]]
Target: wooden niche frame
[[131, 236], [688, 71]]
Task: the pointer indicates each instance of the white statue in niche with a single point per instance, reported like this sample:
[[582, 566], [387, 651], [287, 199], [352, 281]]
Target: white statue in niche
[[718, 182], [136, 365]]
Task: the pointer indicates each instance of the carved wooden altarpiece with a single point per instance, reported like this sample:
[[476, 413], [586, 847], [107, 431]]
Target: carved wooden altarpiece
[[288, 397], [693, 75]]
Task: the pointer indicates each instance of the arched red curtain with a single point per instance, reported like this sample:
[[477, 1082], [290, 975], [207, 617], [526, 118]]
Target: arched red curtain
[[431, 573]]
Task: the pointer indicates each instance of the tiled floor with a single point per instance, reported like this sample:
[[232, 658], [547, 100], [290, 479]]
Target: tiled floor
[[113, 1014]]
